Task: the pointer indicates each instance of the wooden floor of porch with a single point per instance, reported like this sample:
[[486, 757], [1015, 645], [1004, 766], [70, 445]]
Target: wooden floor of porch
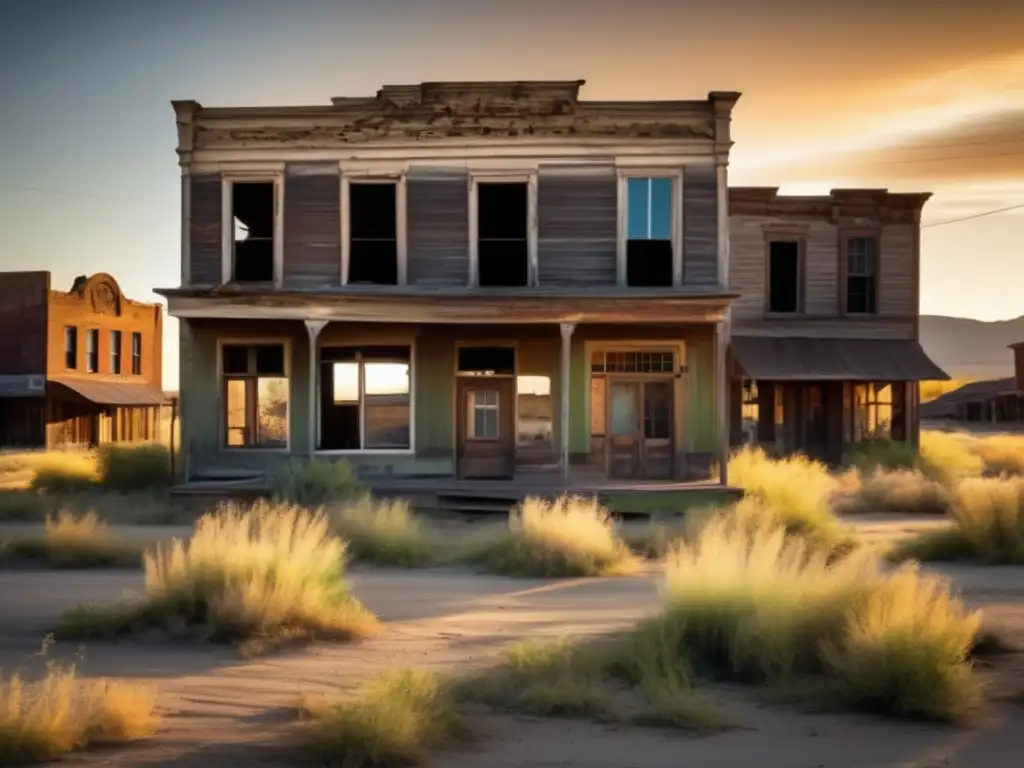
[[449, 494]]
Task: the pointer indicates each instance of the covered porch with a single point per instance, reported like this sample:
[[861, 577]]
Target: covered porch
[[821, 397], [563, 405]]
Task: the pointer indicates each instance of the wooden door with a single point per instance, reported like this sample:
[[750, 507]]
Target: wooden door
[[624, 430], [657, 447], [486, 427]]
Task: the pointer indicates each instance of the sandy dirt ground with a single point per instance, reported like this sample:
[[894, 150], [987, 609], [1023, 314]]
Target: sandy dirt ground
[[220, 712]]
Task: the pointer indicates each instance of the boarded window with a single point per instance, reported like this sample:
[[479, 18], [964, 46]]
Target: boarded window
[[649, 232], [373, 233], [256, 394], [784, 276]]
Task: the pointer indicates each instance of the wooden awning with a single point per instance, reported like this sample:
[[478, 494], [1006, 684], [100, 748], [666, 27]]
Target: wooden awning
[[802, 359], [108, 392]]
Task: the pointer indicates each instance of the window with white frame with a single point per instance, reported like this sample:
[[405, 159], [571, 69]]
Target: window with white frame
[[253, 229], [255, 395], [365, 398], [373, 225], [502, 233], [649, 235]]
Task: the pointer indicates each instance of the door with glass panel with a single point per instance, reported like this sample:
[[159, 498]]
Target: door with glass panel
[[640, 429], [486, 427]]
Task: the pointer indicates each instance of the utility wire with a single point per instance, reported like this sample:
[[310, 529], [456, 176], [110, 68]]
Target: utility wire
[[974, 216]]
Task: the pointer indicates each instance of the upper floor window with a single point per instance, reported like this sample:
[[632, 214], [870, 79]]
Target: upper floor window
[[650, 260], [502, 232], [373, 232], [253, 230], [136, 354], [784, 289], [862, 275], [71, 347], [115, 352], [92, 350]]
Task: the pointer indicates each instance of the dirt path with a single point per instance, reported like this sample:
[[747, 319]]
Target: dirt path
[[220, 712]]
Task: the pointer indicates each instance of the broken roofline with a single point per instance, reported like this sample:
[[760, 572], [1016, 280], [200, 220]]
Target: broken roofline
[[564, 91]]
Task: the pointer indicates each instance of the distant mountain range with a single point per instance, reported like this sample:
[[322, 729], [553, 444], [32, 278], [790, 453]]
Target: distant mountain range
[[971, 349]]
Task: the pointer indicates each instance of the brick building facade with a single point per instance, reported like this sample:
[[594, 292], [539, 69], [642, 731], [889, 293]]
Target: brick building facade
[[81, 367]]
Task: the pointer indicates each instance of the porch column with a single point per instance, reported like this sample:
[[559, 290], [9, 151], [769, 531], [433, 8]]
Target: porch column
[[564, 384], [313, 328], [722, 400]]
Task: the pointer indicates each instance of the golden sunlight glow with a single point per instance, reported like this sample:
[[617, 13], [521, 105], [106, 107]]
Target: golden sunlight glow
[[533, 385]]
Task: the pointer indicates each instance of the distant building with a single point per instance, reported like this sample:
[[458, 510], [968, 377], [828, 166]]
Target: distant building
[[81, 367], [998, 402]]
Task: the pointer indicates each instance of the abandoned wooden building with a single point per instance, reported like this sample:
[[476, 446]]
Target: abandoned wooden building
[[993, 403], [77, 368], [494, 280]]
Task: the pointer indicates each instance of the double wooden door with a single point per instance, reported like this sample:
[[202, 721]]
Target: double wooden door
[[640, 427]]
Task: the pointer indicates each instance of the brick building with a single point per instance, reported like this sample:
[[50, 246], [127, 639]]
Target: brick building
[[81, 367]]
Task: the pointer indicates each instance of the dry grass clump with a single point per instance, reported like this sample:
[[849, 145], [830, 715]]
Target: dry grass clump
[[261, 574], [751, 603], [571, 536], [1001, 454], [43, 720], [797, 490], [314, 483], [391, 721], [988, 525], [63, 471], [901, 491], [383, 532], [948, 457], [72, 541]]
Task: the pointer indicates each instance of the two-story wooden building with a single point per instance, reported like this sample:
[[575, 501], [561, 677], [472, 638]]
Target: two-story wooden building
[[464, 280], [824, 347], [77, 368]]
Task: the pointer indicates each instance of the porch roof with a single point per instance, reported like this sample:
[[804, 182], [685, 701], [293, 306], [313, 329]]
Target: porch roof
[[803, 359], [103, 392], [452, 304]]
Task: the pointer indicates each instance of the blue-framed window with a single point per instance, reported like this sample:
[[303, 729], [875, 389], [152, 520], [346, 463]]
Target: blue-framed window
[[649, 208]]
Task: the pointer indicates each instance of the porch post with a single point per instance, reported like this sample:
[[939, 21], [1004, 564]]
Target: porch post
[[313, 328], [564, 384], [722, 401]]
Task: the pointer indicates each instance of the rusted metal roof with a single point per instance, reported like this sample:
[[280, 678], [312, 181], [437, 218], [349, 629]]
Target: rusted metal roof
[[103, 392], [802, 359]]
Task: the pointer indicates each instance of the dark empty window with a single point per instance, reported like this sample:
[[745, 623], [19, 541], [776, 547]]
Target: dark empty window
[[502, 248], [373, 238], [649, 232], [70, 347], [784, 276], [136, 354], [861, 275], [487, 360], [115, 352], [92, 350], [252, 207]]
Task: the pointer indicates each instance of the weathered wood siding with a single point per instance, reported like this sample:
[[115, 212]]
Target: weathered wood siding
[[576, 225], [312, 226], [700, 225], [822, 279], [205, 245], [437, 201]]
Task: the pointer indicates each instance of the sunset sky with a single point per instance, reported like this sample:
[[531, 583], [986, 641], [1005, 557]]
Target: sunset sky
[[913, 95]]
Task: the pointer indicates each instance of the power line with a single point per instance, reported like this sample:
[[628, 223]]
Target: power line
[[975, 216]]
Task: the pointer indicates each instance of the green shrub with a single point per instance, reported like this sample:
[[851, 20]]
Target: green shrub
[[134, 467], [383, 532], [64, 471], [391, 721], [871, 455], [314, 483], [572, 536], [260, 574]]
